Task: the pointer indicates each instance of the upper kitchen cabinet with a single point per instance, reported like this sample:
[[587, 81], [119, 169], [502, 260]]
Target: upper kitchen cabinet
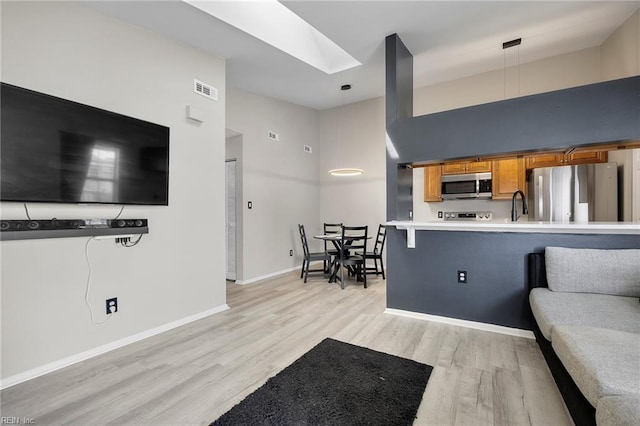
[[508, 176], [579, 156], [587, 157], [432, 183], [466, 167]]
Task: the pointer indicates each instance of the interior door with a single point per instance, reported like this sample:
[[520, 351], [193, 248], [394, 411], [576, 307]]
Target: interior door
[[230, 218]]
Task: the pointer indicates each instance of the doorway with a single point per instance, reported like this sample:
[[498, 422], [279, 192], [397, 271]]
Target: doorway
[[233, 206], [230, 219]]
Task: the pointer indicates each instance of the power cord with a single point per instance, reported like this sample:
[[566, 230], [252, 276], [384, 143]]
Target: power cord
[[86, 294], [126, 242], [121, 210], [26, 210]]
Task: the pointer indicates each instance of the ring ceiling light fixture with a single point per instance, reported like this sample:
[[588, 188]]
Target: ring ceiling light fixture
[[344, 171]]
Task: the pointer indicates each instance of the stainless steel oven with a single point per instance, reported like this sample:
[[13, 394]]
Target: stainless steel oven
[[466, 186]]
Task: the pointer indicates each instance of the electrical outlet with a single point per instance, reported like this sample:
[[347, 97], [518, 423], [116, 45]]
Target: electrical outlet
[[462, 277], [112, 303], [290, 252], [439, 215], [249, 205]]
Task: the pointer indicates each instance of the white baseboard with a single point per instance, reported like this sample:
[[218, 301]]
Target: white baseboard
[[73, 359], [264, 277], [271, 275], [463, 323]]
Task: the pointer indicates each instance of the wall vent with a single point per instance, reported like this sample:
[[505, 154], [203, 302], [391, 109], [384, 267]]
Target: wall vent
[[273, 136], [308, 149], [205, 89]]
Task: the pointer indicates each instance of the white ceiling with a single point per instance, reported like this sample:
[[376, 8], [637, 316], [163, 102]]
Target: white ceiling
[[449, 39]]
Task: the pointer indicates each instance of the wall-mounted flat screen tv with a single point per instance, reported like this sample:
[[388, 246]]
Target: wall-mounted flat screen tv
[[57, 151]]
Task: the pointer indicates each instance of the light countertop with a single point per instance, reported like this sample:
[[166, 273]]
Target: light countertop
[[523, 226], [628, 228]]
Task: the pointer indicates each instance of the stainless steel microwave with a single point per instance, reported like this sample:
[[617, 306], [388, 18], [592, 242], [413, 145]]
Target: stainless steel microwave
[[466, 186]]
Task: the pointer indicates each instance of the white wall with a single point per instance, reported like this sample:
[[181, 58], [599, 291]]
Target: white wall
[[279, 178], [555, 73], [69, 51], [621, 51], [354, 136]]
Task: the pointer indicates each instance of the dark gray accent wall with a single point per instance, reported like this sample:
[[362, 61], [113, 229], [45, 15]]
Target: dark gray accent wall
[[596, 113], [399, 109], [399, 80], [424, 279]]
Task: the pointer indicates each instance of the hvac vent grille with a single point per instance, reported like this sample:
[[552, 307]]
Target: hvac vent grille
[[205, 89]]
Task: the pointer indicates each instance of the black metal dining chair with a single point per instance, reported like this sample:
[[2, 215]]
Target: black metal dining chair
[[310, 257], [376, 254], [331, 228], [353, 244]]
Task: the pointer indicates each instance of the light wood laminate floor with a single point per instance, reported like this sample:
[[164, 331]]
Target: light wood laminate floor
[[193, 374]]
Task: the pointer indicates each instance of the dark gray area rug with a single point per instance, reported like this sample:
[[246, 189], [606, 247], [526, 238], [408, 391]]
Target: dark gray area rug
[[336, 383]]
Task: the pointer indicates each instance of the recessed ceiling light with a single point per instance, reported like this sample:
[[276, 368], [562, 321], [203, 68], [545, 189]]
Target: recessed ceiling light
[[275, 24]]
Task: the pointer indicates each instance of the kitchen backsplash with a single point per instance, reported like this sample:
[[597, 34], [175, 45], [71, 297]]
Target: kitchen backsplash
[[500, 209]]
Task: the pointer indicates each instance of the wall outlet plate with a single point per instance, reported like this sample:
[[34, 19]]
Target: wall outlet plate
[[113, 302]]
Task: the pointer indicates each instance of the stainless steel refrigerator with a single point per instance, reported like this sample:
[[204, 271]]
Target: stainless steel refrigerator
[[582, 193]]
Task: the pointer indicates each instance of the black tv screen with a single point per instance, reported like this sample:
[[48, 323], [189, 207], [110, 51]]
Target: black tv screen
[[58, 151]]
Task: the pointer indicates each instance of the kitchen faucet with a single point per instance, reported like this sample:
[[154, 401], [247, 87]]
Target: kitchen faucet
[[514, 211]]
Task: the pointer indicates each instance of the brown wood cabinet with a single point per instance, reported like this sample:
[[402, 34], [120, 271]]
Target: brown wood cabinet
[[507, 177], [545, 160], [432, 183], [466, 167], [586, 157], [561, 159], [509, 173]]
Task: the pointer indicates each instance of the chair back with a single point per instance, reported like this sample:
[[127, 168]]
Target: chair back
[[331, 228], [303, 238], [380, 239], [355, 238]]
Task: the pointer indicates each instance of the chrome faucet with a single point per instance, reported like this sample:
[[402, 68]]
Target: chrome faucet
[[514, 211]]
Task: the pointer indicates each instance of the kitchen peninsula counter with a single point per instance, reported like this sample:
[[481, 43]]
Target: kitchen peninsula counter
[[493, 256]]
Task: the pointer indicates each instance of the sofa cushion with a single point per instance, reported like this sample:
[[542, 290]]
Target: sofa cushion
[[618, 411], [593, 271], [601, 362], [595, 310]]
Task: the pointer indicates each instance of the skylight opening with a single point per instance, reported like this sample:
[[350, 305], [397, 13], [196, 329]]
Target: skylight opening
[[271, 22]]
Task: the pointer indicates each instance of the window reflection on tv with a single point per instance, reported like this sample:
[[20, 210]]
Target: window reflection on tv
[[59, 151]]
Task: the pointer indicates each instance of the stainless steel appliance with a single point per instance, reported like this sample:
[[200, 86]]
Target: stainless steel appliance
[[582, 193], [466, 186], [465, 216]]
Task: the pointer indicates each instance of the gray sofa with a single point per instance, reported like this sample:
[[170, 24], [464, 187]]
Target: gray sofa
[[589, 316]]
